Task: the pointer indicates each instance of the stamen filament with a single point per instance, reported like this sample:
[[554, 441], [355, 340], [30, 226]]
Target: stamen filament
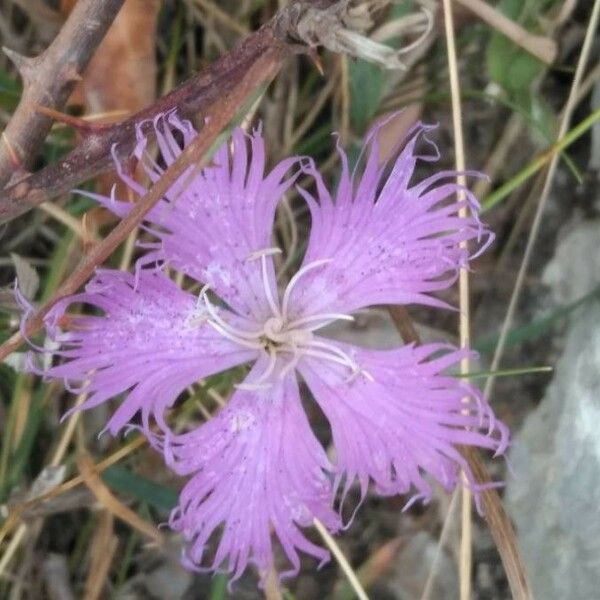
[[264, 252], [335, 350], [253, 387], [294, 280], [328, 317], [267, 286], [234, 338], [240, 333], [261, 380], [331, 357]]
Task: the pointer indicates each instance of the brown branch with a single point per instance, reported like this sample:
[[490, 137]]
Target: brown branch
[[501, 528], [93, 155], [261, 71], [49, 78]]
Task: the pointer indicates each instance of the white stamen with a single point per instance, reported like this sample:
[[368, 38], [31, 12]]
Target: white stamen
[[292, 363], [238, 333], [296, 277], [234, 338], [326, 317], [267, 286], [263, 378], [277, 336], [326, 356], [355, 374], [335, 350], [253, 387]]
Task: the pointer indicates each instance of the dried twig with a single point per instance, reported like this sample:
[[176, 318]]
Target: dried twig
[[464, 319], [110, 503], [49, 78]]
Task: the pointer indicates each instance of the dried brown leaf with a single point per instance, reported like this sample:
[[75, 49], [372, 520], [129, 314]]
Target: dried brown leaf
[[102, 552], [122, 73], [88, 471]]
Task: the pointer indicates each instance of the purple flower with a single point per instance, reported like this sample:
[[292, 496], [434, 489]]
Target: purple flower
[[256, 467]]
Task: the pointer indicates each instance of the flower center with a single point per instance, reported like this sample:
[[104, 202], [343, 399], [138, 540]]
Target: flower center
[[279, 336]]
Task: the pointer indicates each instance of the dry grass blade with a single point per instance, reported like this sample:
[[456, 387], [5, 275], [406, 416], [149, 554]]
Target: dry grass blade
[[222, 17], [342, 560], [272, 589], [92, 479], [102, 552], [464, 324], [442, 541]]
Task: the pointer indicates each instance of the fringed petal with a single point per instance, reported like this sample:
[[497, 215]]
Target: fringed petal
[[256, 469], [400, 421], [151, 343], [383, 240], [213, 221]]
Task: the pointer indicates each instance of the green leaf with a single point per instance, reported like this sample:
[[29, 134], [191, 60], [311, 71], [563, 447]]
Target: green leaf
[[503, 373], [10, 92], [509, 65], [218, 587], [366, 89], [127, 482]]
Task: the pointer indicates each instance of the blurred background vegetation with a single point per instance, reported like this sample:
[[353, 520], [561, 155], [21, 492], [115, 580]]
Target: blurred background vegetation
[[96, 539]]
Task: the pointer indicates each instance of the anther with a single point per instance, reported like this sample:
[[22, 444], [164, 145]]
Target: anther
[[264, 252]]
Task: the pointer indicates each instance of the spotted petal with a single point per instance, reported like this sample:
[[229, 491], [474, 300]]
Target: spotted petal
[[212, 222], [402, 419], [384, 240], [151, 344], [256, 468]]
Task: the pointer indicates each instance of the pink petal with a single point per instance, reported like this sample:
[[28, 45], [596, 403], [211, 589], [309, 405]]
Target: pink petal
[[406, 423], [148, 344], [212, 221], [389, 242], [256, 469]]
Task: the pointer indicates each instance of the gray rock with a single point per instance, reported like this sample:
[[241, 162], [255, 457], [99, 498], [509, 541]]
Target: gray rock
[[413, 566], [554, 492], [575, 268]]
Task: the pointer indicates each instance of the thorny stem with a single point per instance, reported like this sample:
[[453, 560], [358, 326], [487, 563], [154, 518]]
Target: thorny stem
[[264, 69], [49, 78], [195, 97]]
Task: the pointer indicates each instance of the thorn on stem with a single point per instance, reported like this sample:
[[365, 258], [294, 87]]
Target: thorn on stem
[[83, 126], [71, 74], [316, 60], [24, 65], [15, 159]]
